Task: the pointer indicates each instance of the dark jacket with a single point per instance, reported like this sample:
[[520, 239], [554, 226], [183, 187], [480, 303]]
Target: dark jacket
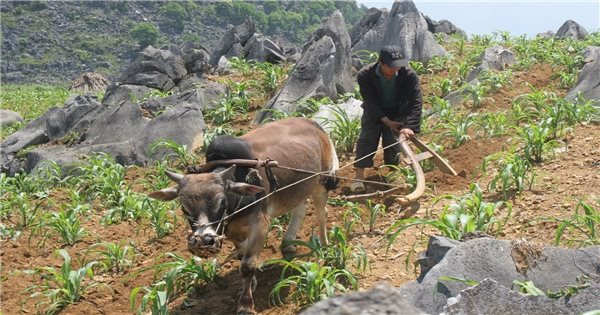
[[408, 95]]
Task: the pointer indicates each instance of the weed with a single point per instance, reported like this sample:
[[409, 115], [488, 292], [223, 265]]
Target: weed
[[345, 130]]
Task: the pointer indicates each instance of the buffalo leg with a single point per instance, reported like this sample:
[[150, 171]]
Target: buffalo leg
[[255, 243], [298, 214], [320, 201]]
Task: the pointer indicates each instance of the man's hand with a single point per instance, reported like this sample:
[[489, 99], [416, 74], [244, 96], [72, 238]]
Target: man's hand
[[394, 125], [408, 133]]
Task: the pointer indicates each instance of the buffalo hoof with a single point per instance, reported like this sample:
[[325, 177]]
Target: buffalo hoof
[[288, 251], [246, 310]]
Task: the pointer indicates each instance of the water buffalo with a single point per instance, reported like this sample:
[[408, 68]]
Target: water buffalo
[[206, 198]]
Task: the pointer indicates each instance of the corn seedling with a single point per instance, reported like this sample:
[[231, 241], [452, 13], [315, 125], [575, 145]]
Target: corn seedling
[[396, 173], [61, 287], [438, 64], [458, 130], [513, 173], [374, 211], [113, 257], [417, 66], [492, 124], [272, 75], [125, 205], [240, 65], [186, 274], [477, 94], [344, 129], [496, 79], [536, 140], [161, 215], [310, 282], [157, 296], [582, 227], [67, 225], [179, 152], [442, 108], [444, 86], [469, 214]]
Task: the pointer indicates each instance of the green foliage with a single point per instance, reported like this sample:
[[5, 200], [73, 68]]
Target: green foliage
[[581, 228], [145, 34], [444, 86], [181, 276], [417, 66], [513, 173], [211, 133], [344, 129], [161, 215], [174, 16], [32, 100], [458, 130], [67, 225], [61, 287], [179, 156], [113, 257], [492, 124], [537, 140], [471, 213], [310, 282]]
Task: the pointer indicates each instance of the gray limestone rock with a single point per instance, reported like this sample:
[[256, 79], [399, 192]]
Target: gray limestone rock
[[382, 299], [408, 29], [324, 70], [571, 29], [588, 84]]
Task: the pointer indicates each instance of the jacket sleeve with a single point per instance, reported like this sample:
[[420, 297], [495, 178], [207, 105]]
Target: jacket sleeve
[[369, 96], [415, 104]]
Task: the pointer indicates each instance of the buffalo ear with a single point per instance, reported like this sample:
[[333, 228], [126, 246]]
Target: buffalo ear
[[244, 189], [166, 194], [228, 173]]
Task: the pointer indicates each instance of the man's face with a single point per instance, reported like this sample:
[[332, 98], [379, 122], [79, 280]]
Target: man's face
[[388, 71]]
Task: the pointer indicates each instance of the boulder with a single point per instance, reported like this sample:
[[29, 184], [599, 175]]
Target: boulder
[[263, 49], [444, 26], [230, 44], [382, 299], [8, 117], [588, 84], [493, 58], [196, 58], [491, 298], [369, 32], [408, 29], [324, 70], [119, 93], [549, 268], [571, 29], [156, 68], [326, 113]]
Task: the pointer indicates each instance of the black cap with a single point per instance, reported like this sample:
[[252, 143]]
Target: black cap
[[393, 57]]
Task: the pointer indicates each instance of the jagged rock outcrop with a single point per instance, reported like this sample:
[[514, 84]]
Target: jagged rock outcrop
[[588, 84], [491, 298], [571, 29], [408, 29], [325, 69], [326, 114], [383, 299], [368, 33], [232, 42], [131, 118], [549, 268], [444, 26]]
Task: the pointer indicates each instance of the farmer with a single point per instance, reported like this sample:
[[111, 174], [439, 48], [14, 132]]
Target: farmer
[[392, 105]]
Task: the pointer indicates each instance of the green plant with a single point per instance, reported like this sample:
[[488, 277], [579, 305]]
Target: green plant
[[458, 130], [537, 140], [513, 172], [581, 228], [211, 133], [471, 213], [241, 65], [496, 79], [366, 56], [477, 93], [492, 124], [310, 282], [114, 257], [125, 205], [189, 272], [61, 287], [179, 153], [145, 34], [161, 215], [444, 86], [67, 225], [528, 288], [417, 66], [344, 129], [272, 75]]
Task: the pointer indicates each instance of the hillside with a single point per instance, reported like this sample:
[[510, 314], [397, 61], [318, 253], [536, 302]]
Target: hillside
[[136, 246], [55, 41]]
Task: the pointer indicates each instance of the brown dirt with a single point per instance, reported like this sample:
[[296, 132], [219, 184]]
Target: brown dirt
[[560, 183]]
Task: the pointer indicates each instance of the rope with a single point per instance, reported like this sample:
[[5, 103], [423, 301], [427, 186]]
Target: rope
[[314, 174]]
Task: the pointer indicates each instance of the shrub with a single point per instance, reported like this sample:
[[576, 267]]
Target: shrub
[[145, 34]]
